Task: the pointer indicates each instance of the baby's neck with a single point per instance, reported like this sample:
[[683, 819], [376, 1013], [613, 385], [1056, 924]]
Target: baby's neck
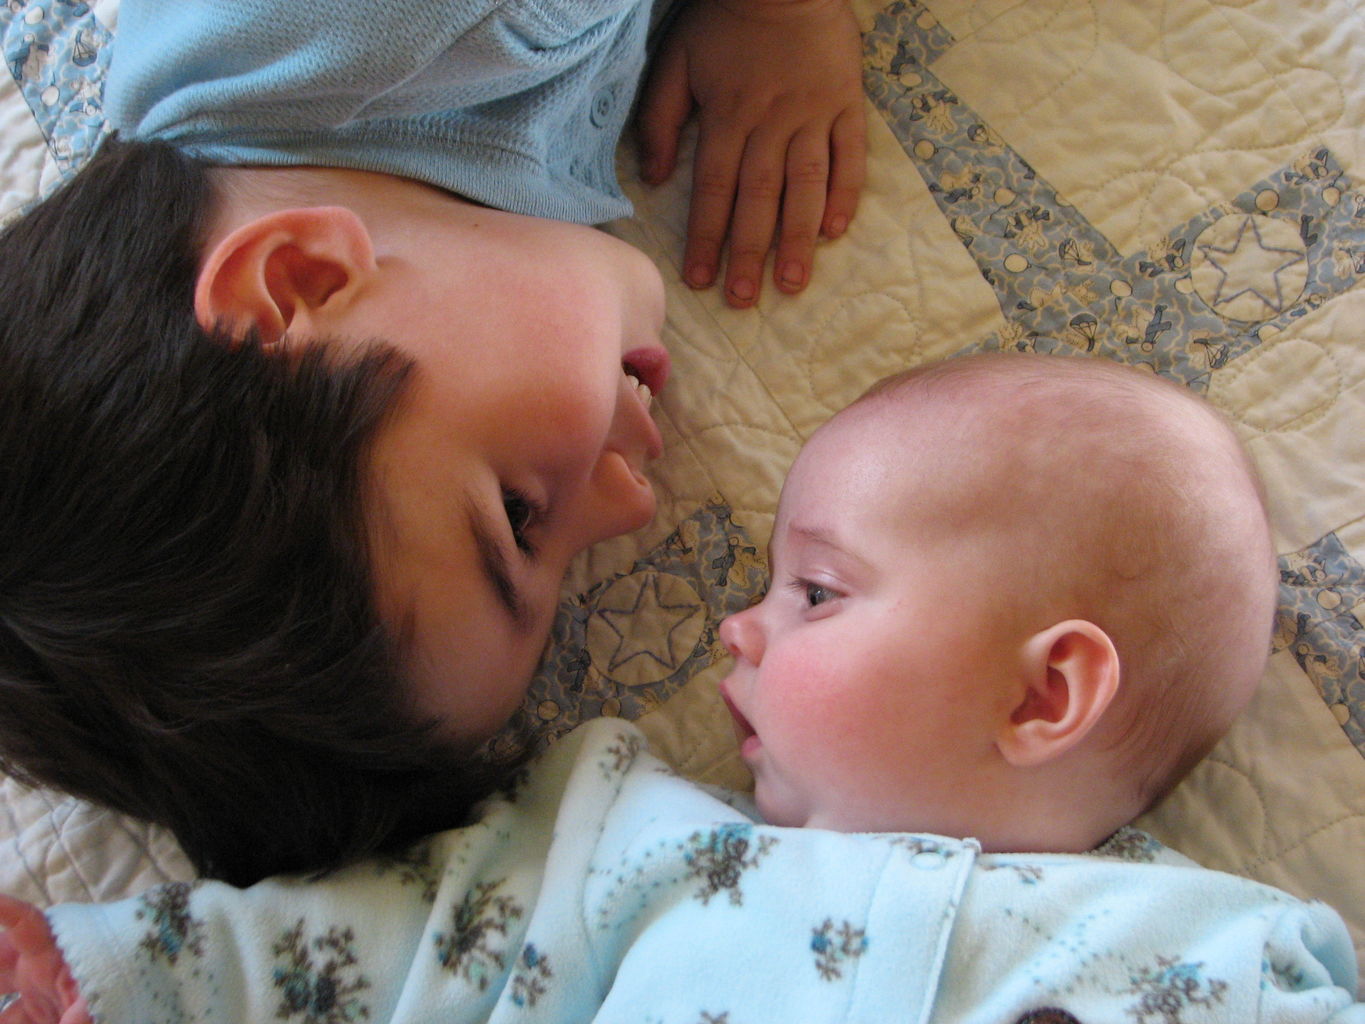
[[1059, 808]]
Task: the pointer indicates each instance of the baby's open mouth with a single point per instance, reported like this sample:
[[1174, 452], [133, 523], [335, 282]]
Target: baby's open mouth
[[743, 730]]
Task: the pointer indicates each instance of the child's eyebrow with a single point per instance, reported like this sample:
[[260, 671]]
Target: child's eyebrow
[[493, 564]]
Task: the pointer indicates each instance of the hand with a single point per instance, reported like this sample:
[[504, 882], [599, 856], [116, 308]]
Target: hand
[[781, 135], [32, 965]]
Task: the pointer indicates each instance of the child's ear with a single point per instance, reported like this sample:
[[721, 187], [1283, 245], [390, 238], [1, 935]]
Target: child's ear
[[1071, 674], [282, 270]]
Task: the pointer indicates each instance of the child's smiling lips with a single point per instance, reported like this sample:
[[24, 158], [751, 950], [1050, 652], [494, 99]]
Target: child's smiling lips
[[646, 371], [649, 365]]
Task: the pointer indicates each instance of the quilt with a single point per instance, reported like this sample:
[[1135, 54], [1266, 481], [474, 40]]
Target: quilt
[[1179, 185]]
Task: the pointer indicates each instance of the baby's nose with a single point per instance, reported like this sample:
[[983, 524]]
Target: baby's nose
[[742, 636]]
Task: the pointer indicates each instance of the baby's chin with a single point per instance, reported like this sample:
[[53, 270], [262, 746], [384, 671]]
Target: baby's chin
[[774, 812], [830, 819]]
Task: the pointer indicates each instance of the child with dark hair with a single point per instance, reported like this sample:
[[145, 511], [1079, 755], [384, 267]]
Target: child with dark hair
[[1014, 598], [307, 402]]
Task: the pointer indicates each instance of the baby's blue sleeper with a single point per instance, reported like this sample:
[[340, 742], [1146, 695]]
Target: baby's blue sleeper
[[601, 886]]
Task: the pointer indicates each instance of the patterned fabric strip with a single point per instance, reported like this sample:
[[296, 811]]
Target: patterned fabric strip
[[58, 53]]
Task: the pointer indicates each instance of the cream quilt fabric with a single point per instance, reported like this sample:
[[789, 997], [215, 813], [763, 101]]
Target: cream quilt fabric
[[1180, 185]]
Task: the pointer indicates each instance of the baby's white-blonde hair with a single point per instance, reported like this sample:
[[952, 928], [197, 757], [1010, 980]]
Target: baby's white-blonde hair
[[1124, 499]]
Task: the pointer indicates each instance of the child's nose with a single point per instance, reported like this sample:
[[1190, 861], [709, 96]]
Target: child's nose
[[742, 636]]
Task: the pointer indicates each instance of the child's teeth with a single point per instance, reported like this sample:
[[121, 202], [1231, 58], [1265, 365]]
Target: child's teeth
[[640, 387]]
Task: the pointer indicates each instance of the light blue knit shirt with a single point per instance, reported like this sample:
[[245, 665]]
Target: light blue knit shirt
[[516, 104]]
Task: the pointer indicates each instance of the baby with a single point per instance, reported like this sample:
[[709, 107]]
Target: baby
[[1013, 599]]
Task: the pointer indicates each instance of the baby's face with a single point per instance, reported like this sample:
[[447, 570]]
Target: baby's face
[[521, 440], [862, 688]]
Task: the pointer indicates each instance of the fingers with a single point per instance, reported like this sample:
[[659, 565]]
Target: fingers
[[780, 136], [714, 176], [665, 105], [738, 187], [803, 209], [808, 180], [848, 172], [758, 193]]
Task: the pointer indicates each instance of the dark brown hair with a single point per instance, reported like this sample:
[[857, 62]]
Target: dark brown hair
[[187, 628]]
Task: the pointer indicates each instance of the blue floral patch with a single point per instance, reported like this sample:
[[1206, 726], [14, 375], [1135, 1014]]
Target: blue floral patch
[[1321, 590], [318, 980], [174, 930], [835, 946], [531, 978], [718, 858], [1170, 988], [473, 947], [58, 54]]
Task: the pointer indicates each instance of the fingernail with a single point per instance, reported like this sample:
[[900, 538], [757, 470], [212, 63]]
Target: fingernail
[[698, 275], [837, 225], [793, 274], [743, 289]]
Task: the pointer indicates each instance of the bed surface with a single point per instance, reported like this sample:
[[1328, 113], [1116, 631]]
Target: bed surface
[[1177, 185]]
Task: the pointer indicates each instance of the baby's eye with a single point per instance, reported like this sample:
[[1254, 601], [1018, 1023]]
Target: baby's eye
[[817, 595], [813, 594], [521, 515]]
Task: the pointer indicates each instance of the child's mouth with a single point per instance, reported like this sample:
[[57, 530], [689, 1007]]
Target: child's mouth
[[647, 369], [641, 388]]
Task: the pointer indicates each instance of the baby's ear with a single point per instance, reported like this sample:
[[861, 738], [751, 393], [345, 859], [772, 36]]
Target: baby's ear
[[1070, 675], [281, 271]]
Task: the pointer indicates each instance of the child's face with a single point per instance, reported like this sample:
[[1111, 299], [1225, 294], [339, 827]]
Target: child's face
[[520, 441], [867, 680]]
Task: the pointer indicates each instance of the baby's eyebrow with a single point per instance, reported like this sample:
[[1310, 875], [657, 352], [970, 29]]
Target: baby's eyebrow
[[493, 564], [817, 535], [832, 541]]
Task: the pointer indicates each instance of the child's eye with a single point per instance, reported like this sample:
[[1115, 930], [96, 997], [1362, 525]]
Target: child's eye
[[522, 514]]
